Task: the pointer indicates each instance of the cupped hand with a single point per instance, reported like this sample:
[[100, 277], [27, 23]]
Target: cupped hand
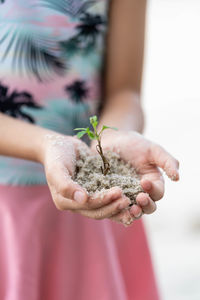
[[60, 154], [146, 157]]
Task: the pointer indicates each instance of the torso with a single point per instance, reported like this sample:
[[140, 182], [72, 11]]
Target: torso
[[51, 54]]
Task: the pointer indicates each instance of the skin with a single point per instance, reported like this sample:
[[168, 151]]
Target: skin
[[146, 157], [57, 153], [122, 109]]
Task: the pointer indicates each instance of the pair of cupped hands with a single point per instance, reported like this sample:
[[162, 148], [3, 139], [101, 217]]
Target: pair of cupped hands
[[148, 158]]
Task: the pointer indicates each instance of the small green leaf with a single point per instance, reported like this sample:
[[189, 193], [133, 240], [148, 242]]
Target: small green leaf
[[80, 134], [94, 121], [87, 129], [80, 129], [108, 127], [91, 135]]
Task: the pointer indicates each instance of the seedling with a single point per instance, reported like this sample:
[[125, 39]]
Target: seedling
[[94, 135]]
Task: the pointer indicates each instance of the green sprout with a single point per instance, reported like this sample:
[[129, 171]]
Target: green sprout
[[94, 135]]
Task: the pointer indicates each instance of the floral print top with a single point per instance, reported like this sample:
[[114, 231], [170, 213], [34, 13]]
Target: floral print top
[[51, 54]]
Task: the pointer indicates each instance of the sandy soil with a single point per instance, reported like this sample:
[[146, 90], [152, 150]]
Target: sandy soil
[[89, 175]]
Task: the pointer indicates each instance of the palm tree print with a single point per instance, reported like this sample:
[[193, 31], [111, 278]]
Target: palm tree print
[[77, 91], [88, 31], [42, 56], [72, 8], [13, 103], [89, 28], [33, 52]]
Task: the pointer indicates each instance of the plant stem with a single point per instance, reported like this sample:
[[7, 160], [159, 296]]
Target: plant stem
[[106, 165]]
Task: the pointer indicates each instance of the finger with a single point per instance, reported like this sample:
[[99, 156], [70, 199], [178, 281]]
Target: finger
[[71, 196], [164, 160], [72, 190], [66, 193], [102, 198], [124, 218], [146, 204], [106, 211], [75, 197], [67, 190], [136, 211], [154, 187]]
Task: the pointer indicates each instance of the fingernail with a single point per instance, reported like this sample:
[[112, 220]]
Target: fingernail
[[127, 221], [144, 202], [135, 214], [174, 177], [138, 215], [79, 196]]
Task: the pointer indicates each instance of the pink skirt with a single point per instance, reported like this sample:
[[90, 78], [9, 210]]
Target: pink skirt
[[46, 254]]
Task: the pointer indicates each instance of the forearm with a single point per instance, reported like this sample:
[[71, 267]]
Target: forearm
[[123, 111], [21, 140], [123, 66]]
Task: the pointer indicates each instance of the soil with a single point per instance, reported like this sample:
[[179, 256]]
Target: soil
[[88, 174]]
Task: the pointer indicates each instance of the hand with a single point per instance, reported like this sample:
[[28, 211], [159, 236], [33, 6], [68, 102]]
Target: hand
[[146, 157], [60, 154]]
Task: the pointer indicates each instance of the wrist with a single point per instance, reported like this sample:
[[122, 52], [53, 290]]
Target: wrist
[[46, 140], [52, 142], [124, 111]]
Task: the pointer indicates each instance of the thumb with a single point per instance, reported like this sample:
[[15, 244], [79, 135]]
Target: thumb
[[66, 193]]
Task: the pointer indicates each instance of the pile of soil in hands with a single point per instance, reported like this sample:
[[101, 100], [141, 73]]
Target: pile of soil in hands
[[88, 174]]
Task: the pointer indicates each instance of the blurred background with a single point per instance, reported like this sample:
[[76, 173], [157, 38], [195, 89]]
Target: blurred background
[[171, 99]]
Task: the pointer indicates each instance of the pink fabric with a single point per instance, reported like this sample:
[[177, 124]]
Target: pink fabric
[[46, 254]]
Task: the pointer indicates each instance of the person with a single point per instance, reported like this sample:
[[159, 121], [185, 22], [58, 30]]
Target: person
[[61, 62]]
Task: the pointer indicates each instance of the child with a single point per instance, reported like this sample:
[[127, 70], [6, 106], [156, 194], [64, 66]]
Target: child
[[51, 81]]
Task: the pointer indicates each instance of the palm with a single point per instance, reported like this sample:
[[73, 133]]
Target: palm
[[140, 157], [146, 157]]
